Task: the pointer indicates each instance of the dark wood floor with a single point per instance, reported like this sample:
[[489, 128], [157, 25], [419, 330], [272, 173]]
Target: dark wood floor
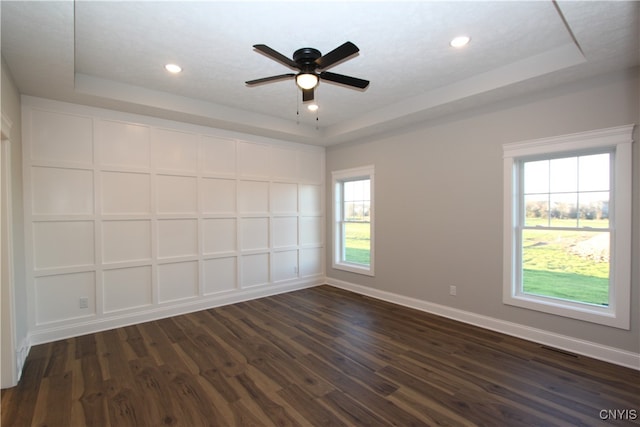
[[320, 356]]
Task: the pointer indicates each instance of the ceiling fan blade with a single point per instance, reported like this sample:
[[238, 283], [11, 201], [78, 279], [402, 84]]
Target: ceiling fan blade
[[269, 79], [273, 54], [345, 80], [307, 95], [337, 55]]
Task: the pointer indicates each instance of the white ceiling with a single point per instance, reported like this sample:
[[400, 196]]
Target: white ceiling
[[111, 54]]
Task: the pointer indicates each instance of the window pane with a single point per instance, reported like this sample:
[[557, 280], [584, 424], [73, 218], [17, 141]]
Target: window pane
[[357, 243], [349, 211], [594, 172], [366, 210], [536, 208], [536, 177], [571, 265], [356, 190], [594, 209], [563, 174], [564, 210], [349, 190]]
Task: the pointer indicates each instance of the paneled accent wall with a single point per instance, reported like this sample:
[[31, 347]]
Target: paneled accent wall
[[131, 218]]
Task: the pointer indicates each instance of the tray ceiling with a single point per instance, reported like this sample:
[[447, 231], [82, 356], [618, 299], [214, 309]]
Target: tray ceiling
[[112, 55]]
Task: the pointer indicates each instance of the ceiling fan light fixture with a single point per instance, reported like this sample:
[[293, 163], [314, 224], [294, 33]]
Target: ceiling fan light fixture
[[312, 107], [306, 80]]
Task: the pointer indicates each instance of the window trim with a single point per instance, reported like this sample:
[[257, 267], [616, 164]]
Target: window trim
[[337, 178], [619, 138]]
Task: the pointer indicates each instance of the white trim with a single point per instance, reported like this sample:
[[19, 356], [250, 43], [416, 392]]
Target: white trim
[[563, 342], [617, 314], [5, 127], [337, 178], [62, 330], [21, 355], [11, 364], [608, 137]]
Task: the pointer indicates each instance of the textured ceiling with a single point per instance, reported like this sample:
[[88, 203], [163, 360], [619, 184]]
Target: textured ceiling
[[111, 54]]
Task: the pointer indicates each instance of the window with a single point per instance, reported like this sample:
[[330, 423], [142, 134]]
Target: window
[[353, 247], [567, 236]]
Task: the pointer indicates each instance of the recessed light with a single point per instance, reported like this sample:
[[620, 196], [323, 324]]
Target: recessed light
[[312, 107], [460, 41], [173, 68]]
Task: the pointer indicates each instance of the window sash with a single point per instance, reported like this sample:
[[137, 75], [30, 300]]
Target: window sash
[[361, 215], [618, 141]]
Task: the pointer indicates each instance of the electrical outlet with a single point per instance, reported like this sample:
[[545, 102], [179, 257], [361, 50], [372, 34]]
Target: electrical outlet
[[453, 290], [84, 302]]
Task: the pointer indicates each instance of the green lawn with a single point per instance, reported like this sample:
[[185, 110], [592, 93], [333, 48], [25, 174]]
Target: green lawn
[[358, 243], [551, 266]]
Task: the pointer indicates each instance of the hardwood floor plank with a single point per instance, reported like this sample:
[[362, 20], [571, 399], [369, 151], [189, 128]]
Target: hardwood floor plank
[[377, 403], [320, 356], [154, 393], [313, 410], [276, 413], [93, 398], [351, 410], [123, 406], [18, 408]]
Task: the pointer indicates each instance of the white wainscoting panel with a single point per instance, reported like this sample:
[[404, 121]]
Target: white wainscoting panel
[[284, 198], [178, 280], [255, 270], [130, 218], [174, 151], [126, 193], [61, 137], [126, 288], [58, 191], [252, 160], [218, 156], [58, 296], [59, 244], [284, 265], [311, 261], [218, 196], [220, 275], [122, 145], [126, 240], [219, 235], [255, 234], [253, 197], [177, 237], [285, 232], [284, 164]]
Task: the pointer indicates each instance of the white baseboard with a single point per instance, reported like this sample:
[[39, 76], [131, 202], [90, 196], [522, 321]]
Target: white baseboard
[[563, 342], [21, 356], [53, 332]]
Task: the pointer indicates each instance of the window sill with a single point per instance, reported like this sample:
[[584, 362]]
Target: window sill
[[594, 314], [354, 268]]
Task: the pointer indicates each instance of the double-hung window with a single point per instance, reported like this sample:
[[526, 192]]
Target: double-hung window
[[353, 247], [567, 235]]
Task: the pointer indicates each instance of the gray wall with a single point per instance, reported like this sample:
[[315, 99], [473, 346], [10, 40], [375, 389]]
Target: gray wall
[[438, 200]]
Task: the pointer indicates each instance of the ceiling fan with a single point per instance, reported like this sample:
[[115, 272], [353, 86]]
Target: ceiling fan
[[308, 61]]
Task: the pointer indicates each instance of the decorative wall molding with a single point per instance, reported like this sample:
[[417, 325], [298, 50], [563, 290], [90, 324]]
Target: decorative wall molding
[[563, 342], [131, 218], [64, 331]]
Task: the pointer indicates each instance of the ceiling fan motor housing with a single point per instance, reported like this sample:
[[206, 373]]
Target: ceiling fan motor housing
[[306, 58]]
